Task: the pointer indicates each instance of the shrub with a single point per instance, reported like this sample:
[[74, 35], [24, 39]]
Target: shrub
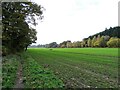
[[5, 51]]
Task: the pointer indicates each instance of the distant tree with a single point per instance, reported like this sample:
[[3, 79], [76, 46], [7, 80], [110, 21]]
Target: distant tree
[[69, 44], [64, 44], [102, 42], [85, 43], [97, 42], [89, 42], [106, 37], [75, 44], [82, 44], [40, 46], [93, 41], [78, 44], [112, 32], [47, 46], [98, 38], [53, 45], [113, 42]]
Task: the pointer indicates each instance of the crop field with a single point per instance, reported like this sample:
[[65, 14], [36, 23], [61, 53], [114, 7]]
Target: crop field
[[63, 67], [80, 67]]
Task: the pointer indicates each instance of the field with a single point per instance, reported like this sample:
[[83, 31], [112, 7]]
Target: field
[[83, 67], [70, 68]]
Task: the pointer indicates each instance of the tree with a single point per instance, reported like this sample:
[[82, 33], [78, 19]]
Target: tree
[[17, 17], [89, 42], [69, 44], [84, 43], [53, 45], [113, 42], [97, 42], [100, 42], [78, 44], [103, 42], [106, 37], [75, 44], [64, 44], [93, 41]]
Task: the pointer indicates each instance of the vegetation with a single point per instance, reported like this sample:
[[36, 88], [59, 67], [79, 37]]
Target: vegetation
[[102, 39], [67, 64], [36, 76], [9, 69], [113, 42], [81, 67], [17, 35], [112, 32]]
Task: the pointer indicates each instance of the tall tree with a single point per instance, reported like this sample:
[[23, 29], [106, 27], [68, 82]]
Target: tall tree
[[102, 42], [17, 18], [97, 42], [93, 41], [89, 42], [69, 44]]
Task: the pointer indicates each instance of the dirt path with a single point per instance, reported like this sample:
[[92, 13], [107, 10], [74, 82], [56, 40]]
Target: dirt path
[[19, 79]]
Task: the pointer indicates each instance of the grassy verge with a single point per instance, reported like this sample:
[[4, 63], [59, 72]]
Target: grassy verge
[[37, 77], [9, 69]]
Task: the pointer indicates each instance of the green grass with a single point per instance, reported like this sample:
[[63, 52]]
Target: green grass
[[81, 67]]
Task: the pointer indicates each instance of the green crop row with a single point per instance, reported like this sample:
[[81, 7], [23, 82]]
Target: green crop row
[[35, 76], [80, 70], [9, 70]]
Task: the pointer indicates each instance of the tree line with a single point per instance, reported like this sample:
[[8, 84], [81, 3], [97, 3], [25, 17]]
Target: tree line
[[108, 38], [112, 32], [99, 41]]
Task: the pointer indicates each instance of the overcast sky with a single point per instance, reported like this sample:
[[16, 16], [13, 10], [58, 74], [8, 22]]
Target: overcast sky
[[75, 19]]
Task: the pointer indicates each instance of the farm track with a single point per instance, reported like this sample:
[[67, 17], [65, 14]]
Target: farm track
[[19, 79]]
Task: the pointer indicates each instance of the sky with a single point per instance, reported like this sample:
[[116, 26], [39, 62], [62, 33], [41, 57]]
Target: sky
[[75, 19]]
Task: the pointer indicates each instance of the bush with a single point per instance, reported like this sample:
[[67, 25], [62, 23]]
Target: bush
[[5, 51]]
